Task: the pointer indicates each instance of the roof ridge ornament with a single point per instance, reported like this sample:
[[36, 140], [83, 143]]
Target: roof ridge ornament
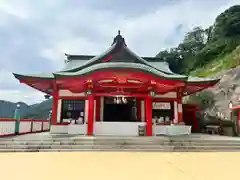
[[119, 40]]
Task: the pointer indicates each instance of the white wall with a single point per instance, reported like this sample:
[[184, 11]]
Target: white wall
[[86, 111], [171, 130], [59, 110], [180, 108], [25, 126], [65, 92], [7, 127], [117, 128], [37, 126], [59, 129], [175, 112]]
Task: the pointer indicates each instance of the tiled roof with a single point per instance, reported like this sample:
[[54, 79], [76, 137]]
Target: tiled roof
[[120, 65]]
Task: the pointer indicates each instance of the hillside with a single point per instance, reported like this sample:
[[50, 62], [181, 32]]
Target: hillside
[[35, 111], [214, 48], [39, 111], [7, 108], [227, 90], [219, 65], [212, 52]]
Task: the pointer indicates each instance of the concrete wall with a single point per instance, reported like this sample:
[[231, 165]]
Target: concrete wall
[[7, 126]]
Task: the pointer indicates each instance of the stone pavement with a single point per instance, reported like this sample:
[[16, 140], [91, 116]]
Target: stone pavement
[[47, 135], [119, 166]]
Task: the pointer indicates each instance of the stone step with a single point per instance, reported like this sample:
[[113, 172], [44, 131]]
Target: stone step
[[208, 148], [81, 147], [37, 143], [117, 140], [204, 144], [118, 150], [109, 147], [104, 150], [139, 150]]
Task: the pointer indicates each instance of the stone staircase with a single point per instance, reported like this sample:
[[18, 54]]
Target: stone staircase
[[136, 144]]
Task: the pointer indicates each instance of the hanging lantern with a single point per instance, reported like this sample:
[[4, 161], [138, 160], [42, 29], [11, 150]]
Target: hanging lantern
[[88, 92], [152, 93], [115, 100], [124, 100], [118, 100], [230, 105], [46, 96], [89, 83]]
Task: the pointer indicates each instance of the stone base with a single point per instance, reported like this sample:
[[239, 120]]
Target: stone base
[[58, 129], [171, 130], [80, 129]]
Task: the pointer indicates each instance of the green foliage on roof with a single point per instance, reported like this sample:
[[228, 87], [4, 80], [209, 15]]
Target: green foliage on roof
[[205, 52]]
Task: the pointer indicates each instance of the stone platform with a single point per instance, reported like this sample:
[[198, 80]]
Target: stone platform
[[186, 143]]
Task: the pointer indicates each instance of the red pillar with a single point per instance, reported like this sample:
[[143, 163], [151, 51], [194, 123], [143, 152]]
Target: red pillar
[[90, 115], [148, 110], [54, 107], [179, 106]]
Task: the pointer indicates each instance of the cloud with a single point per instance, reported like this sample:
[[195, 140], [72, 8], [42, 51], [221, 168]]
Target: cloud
[[27, 96], [34, 35]]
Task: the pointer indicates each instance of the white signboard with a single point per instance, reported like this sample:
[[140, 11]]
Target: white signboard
[[161, 105]]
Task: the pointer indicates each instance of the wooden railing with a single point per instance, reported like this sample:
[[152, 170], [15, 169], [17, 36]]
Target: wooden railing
[[26, 126]]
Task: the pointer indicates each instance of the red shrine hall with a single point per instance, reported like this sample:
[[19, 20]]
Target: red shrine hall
[[117, 93]]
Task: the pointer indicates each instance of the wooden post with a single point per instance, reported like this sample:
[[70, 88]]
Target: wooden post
[[54, 105], [90, 115], [179, 106], [148, 110]]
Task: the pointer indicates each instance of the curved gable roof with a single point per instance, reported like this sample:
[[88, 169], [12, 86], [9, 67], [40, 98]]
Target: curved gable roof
[[118, 52], [120, 65]]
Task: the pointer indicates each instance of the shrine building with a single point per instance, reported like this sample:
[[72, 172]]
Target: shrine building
[[117, 93]]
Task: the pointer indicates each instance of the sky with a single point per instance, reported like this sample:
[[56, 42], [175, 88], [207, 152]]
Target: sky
[[34, 35]]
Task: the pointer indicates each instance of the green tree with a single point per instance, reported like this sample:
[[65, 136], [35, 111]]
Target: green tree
[[227, 24], [194, 41]]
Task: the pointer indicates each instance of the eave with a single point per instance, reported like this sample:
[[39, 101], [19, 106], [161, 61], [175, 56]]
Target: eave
[[42, 76], [41, 83], [195, 84]]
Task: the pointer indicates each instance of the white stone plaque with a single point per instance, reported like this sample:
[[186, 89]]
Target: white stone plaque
[[161, 105]]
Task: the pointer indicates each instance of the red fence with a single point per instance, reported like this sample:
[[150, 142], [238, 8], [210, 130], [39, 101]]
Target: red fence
[[26, 126]]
